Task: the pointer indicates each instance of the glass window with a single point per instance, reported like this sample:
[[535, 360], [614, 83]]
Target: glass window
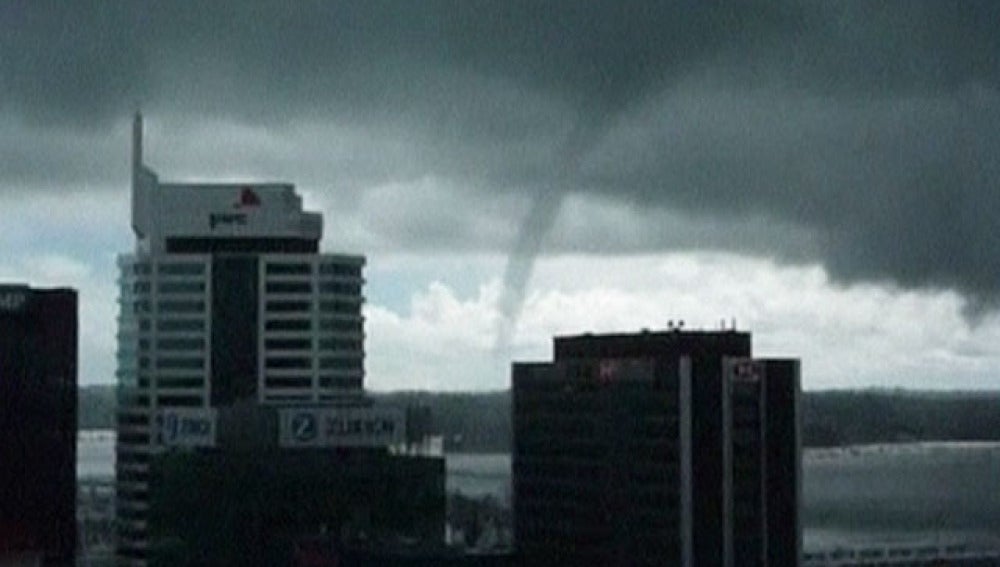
[[287, 306], [289, 269], [187, 269], [340, 287], [185, 363], [180, 325], [181, 306], [288, 344], [183, 382], [340, 363], [340, 382], [348, 307], [181, 287], [288, 382], [287, 362], [181, 344], [341, 269], [288, 287], [339, 344], [287, 324], [351, 325], [179, 401]]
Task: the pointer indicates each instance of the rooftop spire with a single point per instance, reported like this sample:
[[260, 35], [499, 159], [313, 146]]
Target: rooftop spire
[[136, 145]]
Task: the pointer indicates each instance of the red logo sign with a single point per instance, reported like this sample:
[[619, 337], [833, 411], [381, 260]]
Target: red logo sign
[[248, 198], [607, 371], [747, 371]]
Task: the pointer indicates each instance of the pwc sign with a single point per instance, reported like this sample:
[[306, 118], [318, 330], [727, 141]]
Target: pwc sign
[[247, 199]]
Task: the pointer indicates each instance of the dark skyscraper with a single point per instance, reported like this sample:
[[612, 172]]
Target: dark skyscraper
[[38, 355], [241, 350], [642, 449]]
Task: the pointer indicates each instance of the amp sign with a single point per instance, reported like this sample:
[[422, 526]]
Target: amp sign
[[12, 300], [340, 427]]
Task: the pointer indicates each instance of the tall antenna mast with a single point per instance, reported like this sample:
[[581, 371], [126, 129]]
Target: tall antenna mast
[[136, 147]]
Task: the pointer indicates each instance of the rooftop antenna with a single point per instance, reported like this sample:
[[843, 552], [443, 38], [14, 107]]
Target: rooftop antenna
[[136, 146]]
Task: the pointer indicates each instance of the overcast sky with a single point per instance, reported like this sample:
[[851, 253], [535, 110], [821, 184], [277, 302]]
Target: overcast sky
[[824, 173]]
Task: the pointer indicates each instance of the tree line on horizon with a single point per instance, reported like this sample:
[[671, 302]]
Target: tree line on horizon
[[481, 421]]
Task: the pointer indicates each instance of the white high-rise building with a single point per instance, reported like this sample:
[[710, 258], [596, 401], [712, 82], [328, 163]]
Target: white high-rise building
[[225, 301]]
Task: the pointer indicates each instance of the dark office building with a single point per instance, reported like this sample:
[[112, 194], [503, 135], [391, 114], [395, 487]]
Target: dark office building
[[623, 453], [38, 354], [268, 504], [763, 477]]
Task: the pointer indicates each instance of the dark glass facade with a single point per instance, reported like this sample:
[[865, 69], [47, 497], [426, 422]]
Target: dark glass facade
[[784, 462], [234, 329], [38, 380], [706, 351], [216, 245], [266, 500], [632, 449]]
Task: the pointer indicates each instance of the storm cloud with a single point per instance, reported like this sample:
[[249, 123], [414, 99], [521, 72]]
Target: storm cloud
[[865, 133]]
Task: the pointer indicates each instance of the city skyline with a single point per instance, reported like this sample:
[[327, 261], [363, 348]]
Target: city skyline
[[824, 175]]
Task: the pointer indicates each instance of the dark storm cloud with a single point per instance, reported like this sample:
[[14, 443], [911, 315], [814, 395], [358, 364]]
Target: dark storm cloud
[[872, 127]]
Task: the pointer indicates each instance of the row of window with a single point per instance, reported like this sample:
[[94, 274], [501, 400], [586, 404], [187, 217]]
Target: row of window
[[300, 362], [168, 325], [306, 344], [272, 268], [288, 306], [184, 363], [171, 287], [195, 325], [180, 325], [145, 286], [170, 306], [349, 325], [307, 287], [169, 400], [305, 382], [196, 343], [306, 268], [198, 382], [172, 269]]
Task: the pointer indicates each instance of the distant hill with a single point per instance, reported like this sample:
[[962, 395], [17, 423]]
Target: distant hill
[[480, 421], [96, 409], [852, 417]]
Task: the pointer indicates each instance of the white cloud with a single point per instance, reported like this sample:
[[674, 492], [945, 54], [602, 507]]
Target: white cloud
[[432, 317], [443, 343], [71, 240], [858, 336]]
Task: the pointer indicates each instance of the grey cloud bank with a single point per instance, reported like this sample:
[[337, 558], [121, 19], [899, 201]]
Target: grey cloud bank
[[868, 130]]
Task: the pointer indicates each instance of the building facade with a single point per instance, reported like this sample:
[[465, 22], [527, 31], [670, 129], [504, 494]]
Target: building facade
[[643, 449], [38, 380], [267, 502], [225, 303]]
